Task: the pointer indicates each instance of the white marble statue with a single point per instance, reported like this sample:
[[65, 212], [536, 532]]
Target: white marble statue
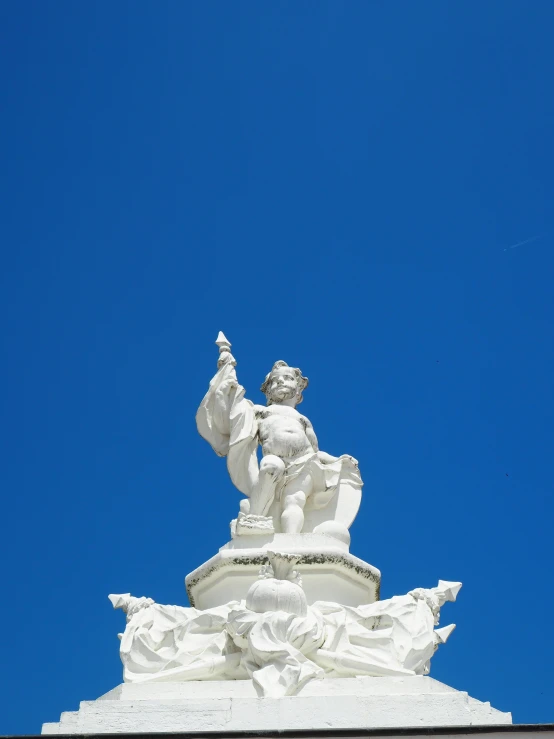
[[296, 487], [265, 627], [275, 638]]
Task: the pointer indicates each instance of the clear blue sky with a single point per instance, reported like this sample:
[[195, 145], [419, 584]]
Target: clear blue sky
[[336, 184]]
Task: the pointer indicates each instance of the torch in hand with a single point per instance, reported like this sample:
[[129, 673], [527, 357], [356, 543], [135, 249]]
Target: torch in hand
[[225, 356]]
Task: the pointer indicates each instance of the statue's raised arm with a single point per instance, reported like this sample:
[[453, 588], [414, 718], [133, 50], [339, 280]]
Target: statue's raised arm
[[227, 421], [296, 488]]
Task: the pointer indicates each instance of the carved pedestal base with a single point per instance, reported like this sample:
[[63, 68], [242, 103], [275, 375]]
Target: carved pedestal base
[[329, 571]]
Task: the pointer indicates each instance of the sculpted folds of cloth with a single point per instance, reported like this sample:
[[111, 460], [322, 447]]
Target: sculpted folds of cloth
[[280, 646], [296, 487]]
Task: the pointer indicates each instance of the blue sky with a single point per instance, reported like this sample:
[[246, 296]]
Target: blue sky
[[336, 184]]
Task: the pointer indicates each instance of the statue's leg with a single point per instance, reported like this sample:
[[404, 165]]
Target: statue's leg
[[272, 469], [294, 499]]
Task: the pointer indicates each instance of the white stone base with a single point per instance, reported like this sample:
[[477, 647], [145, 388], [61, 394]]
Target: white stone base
[[329, 572], [335, 703]]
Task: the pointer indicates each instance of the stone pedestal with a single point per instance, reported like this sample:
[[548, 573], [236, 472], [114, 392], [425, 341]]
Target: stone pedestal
[[233, 706], [329, 572], [238, 705]]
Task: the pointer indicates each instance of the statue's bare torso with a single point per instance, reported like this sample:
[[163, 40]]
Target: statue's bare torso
[[284, 432]]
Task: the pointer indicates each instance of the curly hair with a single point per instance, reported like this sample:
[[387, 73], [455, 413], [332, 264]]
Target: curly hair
[[301, 381]]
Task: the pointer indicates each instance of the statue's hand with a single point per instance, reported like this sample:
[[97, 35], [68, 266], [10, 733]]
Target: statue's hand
[[226, 358], [348, 458]]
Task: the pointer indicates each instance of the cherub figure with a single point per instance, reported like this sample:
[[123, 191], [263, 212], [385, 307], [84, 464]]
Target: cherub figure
[[295, 481]]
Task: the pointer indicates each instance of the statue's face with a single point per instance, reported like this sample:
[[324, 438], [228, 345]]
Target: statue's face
[[283, 385]]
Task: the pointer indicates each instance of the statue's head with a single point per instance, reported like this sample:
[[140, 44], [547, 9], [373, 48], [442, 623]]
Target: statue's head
[[284, 383]]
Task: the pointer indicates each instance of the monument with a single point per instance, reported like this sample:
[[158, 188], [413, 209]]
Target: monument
[[285, 631]]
